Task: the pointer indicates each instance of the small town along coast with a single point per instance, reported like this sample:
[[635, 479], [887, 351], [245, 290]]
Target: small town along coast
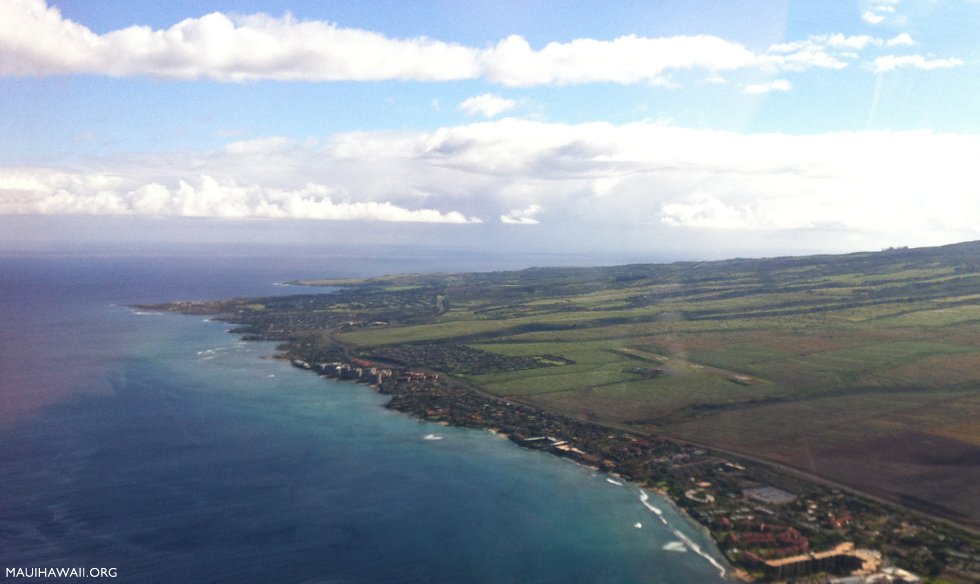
[[770, 525]]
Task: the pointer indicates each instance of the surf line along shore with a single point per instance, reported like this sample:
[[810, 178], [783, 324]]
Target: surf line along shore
[[621, 454], [440, 399], [434, 397]]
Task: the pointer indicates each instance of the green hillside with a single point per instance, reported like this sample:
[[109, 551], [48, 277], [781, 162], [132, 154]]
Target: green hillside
[[860, 368]]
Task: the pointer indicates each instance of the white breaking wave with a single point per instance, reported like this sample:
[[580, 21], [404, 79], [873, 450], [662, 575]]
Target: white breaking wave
[[685, 540], [645, 499], [675, 546], [209, 354], [697, 549], [612, 482]]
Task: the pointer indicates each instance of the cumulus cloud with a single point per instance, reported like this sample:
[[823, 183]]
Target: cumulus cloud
[[487, 105], [522, 216], [45, 192], [888, 63], [871, 17], [902, 40], [627, 59], [593, 178], [36, 39]]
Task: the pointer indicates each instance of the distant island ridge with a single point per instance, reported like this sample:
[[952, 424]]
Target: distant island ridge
[[816, 414]]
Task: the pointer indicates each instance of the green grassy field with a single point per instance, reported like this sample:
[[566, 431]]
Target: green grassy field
[[846, 366]]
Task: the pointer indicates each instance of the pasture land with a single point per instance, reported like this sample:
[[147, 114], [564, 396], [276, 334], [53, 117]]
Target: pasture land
[[861, 368]]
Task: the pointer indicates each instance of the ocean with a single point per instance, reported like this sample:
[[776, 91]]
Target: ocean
[[160, 448]]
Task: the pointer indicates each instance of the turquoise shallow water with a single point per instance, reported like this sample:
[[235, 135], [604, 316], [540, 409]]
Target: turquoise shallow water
[[168, 449]]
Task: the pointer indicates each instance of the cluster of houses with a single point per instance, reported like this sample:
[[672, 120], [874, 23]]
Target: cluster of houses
[[563, 448], [362, 371], [775, 548]]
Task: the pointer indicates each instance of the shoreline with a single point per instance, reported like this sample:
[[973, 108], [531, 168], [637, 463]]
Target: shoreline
[[727, 570], [720, 562], [386, 387], [730, 516], [441, 399]]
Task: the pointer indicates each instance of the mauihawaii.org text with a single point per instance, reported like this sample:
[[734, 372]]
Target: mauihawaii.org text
[[60, 573]]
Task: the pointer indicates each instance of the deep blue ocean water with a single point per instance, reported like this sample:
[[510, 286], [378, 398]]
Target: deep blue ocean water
[[168, 449]]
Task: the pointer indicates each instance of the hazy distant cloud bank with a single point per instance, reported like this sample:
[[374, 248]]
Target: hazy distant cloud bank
[[36, 40], [594, 176], [45, 192]]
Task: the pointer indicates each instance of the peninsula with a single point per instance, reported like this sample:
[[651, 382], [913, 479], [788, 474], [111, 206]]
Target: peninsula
[[817, 414]]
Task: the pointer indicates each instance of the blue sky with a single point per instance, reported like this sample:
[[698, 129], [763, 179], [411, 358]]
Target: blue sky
[[701, 129]]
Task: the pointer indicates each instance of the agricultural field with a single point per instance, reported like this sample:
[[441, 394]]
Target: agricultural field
[[862, 369]]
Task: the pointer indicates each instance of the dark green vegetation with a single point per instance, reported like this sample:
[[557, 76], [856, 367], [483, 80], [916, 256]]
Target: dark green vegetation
[[862, 369]]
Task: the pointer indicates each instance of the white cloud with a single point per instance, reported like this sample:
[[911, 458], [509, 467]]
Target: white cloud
[[258, 146], [872, 17], [828, 51], [487, 105], [707, 211], [847, 42], [595, 178], [37, 40], [888, 63], [522, 216], [834, 51], [878, 11], [45, 192], [628, 59], [775, 85], [902, 40], [605, 177]]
